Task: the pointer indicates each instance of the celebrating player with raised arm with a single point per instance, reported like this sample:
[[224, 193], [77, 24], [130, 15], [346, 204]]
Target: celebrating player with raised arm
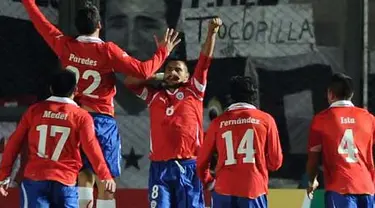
[[54, 130], [248, 146], [176, 114], [342, 136], [95, 62]]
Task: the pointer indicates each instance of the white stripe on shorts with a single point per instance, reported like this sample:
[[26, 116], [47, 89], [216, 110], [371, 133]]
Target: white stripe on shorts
[[24, 194]]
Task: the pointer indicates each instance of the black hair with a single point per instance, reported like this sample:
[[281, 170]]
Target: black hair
[[341, 86], [87, 19], [243, 89], [63, 83]]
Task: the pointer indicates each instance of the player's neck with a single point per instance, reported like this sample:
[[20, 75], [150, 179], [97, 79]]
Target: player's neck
[[96, 34]]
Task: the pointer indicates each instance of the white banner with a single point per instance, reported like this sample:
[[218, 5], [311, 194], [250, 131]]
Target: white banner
[[257, 31], [15, 9]]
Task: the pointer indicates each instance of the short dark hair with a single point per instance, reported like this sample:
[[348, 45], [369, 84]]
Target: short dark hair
[[63, 83], [341, 86], [243, 89], [87, 19]]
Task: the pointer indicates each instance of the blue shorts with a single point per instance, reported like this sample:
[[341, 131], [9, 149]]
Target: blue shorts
[[224, 201], [175, 184], [334, 199], [46, 194], [107, 133]]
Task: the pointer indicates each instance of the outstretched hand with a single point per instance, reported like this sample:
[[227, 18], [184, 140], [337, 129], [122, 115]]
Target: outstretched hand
[[215, 25], [312, 187], [110, 185], [170, 40], [4, 185]]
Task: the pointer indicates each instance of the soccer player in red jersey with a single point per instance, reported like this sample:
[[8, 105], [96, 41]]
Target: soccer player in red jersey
[[176, 113], [54, 130], [342, 136], [248, 146], [95, 62]]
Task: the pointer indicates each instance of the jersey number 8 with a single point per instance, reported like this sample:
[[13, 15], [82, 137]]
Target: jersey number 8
[[246, 147], [347, 146], [86, 75]]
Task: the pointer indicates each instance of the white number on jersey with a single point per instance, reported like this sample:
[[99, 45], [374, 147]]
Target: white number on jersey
[[246, 147], [43, 129], [86, 75], [347, 146]]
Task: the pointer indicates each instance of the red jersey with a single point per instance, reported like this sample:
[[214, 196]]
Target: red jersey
[[248, 146], [54, 130], [177, 117], [93, 61], [344, 134]]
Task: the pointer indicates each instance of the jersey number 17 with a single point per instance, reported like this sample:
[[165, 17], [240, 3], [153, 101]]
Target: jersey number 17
[[43, 129]]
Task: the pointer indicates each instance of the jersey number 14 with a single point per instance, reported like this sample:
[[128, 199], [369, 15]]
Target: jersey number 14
[[246, 147], [347, 146]]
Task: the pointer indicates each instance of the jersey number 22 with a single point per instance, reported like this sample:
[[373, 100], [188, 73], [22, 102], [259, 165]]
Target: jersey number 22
[[246, 147], [88, 73]]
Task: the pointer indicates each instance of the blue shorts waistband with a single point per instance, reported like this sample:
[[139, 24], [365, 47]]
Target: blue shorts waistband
[[93, 114], [180, 161]]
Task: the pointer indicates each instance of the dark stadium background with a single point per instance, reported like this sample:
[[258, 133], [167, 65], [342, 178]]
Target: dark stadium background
[[27, 62]]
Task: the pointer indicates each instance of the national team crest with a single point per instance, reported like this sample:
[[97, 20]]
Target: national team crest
[[180, 95]]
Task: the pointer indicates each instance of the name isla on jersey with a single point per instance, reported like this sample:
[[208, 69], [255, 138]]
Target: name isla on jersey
[[238, 121], [55, 115], [347, 120], [84, 61]]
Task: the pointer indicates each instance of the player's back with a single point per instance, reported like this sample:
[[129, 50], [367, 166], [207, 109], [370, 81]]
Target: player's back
[[53, 140], [89, 59], [248, 146], [347, 135]]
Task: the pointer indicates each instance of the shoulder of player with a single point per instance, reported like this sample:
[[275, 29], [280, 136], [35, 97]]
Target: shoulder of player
[[32, 108]]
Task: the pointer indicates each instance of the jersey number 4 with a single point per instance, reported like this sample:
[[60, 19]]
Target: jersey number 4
[[246, 147], [347, 146], [43, 129], [86, 75]]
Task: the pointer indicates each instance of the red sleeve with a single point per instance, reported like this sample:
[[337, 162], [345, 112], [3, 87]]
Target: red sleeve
[[47, 30], [128, 65], [91, 148], [274, 155], [205, 155], [145, 93], [199, 78], [14, 146], [315, 139]]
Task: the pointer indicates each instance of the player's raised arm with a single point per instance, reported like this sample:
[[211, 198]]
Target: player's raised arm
[[12, 149], [139, 87], [128, 65], [46, 29], [204, 157], [313, 157], [199, 78], [91, 148], [274, 155]]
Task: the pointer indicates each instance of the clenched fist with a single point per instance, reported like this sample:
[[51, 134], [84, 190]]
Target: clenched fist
[[214, 25]]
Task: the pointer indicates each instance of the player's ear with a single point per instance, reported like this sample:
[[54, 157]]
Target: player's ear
[[99, 25]]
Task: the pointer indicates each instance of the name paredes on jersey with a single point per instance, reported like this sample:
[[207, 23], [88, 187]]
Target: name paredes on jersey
[[238, 121], [84, 61], [55, 115]]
